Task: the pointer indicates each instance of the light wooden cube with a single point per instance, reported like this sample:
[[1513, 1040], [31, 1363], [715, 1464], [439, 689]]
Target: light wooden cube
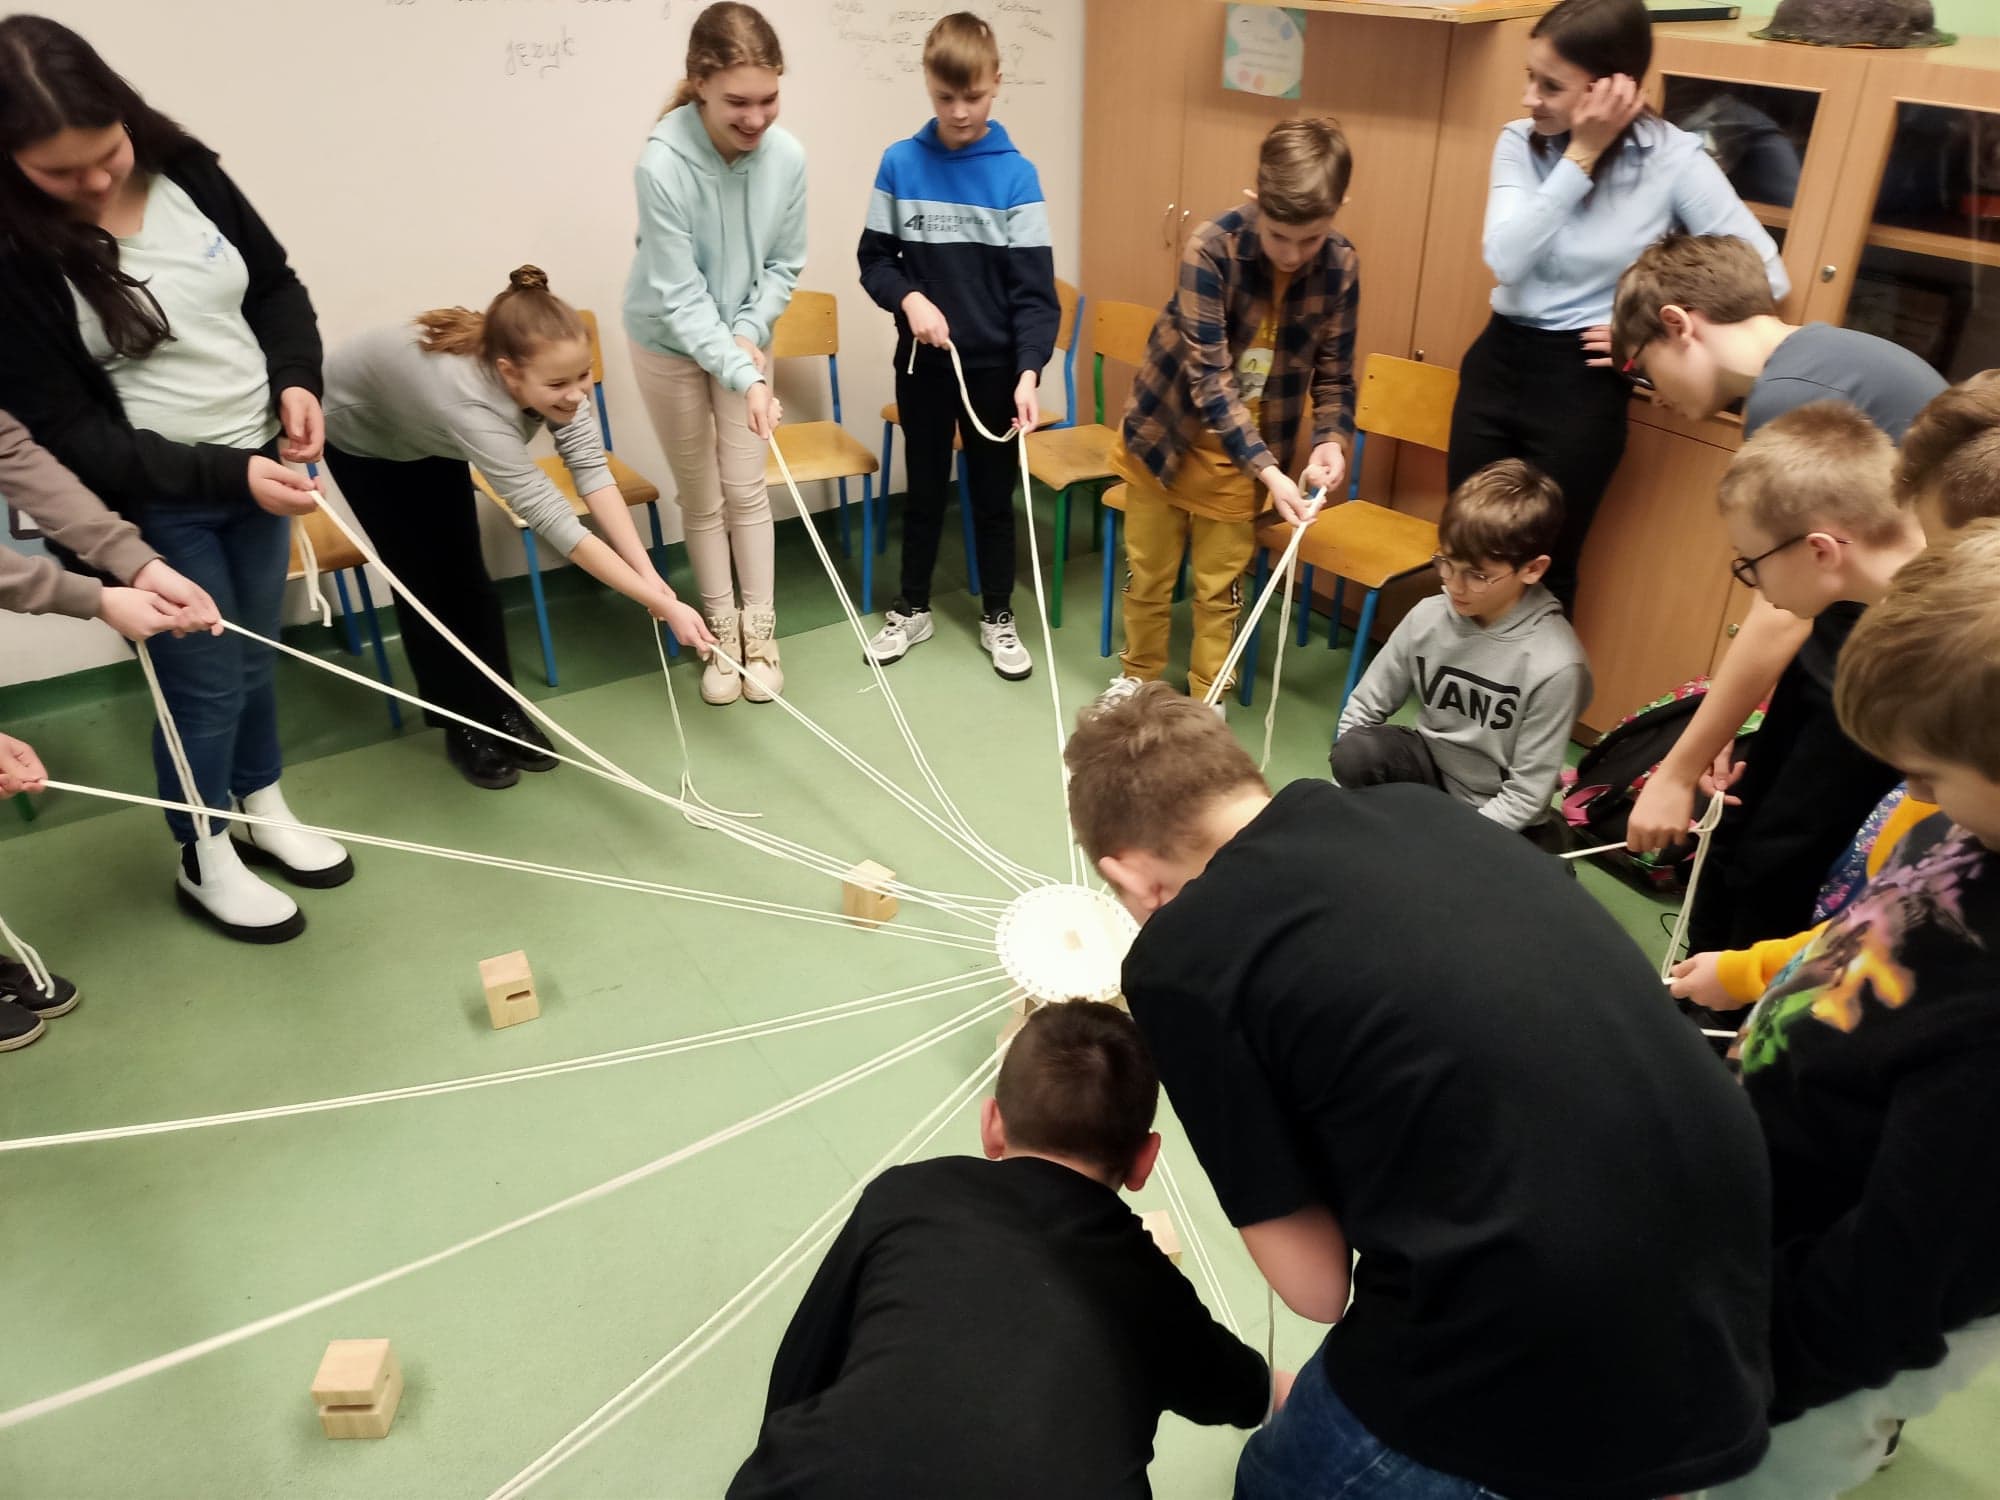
[[510, 989], [864, 894], [358, 1388], [1160, 1225]]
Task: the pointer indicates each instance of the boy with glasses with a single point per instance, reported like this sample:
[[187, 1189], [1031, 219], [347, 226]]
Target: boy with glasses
[[1499, 675]]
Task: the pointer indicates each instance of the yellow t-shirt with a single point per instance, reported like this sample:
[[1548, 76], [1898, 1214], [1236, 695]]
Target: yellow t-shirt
[[1207, 481]]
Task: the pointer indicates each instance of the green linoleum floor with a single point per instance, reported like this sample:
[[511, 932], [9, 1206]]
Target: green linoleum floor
[[120, 1251]]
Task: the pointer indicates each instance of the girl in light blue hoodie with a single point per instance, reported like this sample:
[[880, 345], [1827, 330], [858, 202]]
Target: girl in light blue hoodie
[[722, 239]]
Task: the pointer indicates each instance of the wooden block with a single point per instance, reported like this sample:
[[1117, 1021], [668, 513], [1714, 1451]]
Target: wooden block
[[358, 1388], [510, 989], [864, 894], [1160, 1225]]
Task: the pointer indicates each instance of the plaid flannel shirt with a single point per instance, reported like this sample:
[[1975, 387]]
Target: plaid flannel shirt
[[1189, 379]]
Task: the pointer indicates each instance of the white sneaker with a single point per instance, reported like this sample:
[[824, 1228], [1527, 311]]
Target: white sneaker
[[213, 885], [1121, 688], [301, 856], [902, 628], [1000, 640], [760, 656], [720, 681]]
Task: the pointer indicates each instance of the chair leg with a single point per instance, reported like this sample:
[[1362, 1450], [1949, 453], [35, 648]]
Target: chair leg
[[1305, 603], [353, 636], [1333, 625], [659, 536], [1060, 556], [375, 640], [541, 608], [971, 541], [1110, 551], [1247, 668], [1362, 628], [845, 548]]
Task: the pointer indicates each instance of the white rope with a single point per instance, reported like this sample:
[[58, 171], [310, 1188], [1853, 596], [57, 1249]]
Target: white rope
[[647, 1052], [1278, 659], [554, 872], [309, 565], [687, 756], [1196, 1245], [1704, 834], [1247, 632], [711, 1331], [1022, 876], [170, 732], [105, 1384], [30, 959], [1069, 845]]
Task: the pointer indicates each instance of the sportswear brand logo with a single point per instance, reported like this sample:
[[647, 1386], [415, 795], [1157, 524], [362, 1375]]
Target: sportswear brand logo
[[1494, 704], [926, 223]]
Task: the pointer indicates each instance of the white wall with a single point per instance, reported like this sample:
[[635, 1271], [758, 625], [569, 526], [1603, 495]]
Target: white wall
[[411, 152]]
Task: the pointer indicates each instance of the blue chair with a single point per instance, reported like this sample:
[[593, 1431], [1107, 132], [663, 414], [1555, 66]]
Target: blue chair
[[632, 485], [818, 451], [337, 557]]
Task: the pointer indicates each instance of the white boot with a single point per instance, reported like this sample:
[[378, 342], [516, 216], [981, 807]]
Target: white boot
[[760, 646], [720, 682], [213, 885], [302, 857]]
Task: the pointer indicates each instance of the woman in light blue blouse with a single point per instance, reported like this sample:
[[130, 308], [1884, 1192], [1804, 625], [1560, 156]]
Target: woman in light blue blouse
[[1579, 188]]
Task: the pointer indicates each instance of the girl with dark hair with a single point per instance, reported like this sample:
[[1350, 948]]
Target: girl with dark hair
[[154, 339], [407, 408], [1578, 189]]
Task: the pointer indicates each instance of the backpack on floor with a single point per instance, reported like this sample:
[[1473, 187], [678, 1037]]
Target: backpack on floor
[[1597, 796]]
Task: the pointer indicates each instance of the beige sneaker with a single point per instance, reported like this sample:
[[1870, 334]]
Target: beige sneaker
[[720, 681], [760, 642]]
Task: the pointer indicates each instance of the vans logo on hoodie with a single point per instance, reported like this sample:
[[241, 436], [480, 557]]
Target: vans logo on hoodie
[[1496, 705]]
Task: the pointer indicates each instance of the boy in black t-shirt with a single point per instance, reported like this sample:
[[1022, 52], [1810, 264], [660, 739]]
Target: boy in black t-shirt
[[1389, 1023], [1873, 1057], [1006, 1330]]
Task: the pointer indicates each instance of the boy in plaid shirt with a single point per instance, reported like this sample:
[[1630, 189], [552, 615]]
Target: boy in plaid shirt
[[1263, 317]]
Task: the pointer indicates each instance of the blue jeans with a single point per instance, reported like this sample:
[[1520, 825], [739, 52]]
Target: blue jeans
[[219, 688], [1314, 1449]]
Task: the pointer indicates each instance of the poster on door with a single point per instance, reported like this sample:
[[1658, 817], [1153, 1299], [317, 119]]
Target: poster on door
[[1264, 50]]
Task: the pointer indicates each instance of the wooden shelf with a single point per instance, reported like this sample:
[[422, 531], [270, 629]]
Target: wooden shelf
[[1938, 246], [1452, 12], [1770, 215]]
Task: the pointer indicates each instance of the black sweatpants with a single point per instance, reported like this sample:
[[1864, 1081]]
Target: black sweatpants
[[423, 517], [1526, 393], [1377, 754], [928, 403], [1805, 788]]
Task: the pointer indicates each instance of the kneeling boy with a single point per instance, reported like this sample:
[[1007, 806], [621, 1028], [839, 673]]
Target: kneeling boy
[[1005, 1329]]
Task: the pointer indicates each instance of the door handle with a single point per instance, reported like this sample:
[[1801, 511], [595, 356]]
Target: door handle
[[1827, 273], [1166, 234]]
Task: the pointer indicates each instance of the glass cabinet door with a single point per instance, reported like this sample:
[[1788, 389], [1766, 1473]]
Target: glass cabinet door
[[1757, 133]]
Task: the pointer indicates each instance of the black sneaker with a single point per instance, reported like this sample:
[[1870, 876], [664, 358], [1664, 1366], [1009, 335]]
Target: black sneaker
[[479, 758], [18, 987], [518, 724], [18, 1026]]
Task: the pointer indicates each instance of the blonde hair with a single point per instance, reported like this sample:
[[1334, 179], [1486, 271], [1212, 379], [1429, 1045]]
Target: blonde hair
[[724, 36], [1143, 771], [1510, 511], [961, 50], [516, 323], [1921, 672], [1816, 466], [1302, 170], [1717, 275], [1953, 448]]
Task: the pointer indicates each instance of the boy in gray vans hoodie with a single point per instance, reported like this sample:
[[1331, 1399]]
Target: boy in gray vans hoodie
[[1499, 675]]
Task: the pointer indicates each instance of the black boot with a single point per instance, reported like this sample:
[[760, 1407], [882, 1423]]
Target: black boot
[[480, 758], [519, 725]]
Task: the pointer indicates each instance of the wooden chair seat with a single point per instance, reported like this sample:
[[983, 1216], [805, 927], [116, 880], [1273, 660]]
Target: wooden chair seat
[[334, 552], [633, 486], [1114, 497], [1367, 543], [1065, 456], [818, 450]]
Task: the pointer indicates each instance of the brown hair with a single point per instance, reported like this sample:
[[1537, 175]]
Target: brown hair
[[726, 35], [1603, 38], [515, 324], [1510, 510], [1717, 275], [1077, 1082], [1143, 769], [961, 50], [1953, 447], [1302, 170], [1921, 672], [1819, 465]]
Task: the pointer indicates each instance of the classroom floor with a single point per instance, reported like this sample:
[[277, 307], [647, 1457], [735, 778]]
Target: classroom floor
[[125, 1250]]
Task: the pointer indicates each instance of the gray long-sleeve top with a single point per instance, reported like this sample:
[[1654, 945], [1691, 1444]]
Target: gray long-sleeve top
[[387, 398]]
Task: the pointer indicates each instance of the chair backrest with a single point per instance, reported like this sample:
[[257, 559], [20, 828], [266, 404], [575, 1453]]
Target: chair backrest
[[333, 551], [1119, 330], [1407, 400], [809, 325], [1066, 319], [596, 348]]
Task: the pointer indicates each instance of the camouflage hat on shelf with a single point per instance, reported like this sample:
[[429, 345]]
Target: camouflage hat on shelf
[[1857, 23]]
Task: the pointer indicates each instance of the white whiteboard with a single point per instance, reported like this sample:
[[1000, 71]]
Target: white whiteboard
[[409, 153]]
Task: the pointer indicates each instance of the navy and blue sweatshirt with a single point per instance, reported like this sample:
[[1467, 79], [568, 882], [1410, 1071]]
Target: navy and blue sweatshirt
[[968, 229]]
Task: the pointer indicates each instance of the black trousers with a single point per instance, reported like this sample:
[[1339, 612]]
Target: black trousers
[[1526, 393], [423, 517], [928, 403], [1377, 754], [1805, 788]]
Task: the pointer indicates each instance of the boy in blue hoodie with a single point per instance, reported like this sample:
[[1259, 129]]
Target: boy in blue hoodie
[[957, 247]]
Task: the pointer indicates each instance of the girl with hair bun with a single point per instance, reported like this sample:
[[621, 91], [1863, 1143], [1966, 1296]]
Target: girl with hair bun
[[407, 408]]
